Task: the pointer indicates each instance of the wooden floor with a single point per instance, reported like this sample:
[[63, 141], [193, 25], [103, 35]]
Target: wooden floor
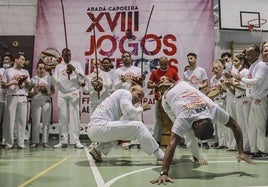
[[70, 167]]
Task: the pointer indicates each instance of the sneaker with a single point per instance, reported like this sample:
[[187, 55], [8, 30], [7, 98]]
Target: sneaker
[[33, 145], [205, 145], [96, 155], [8, 147], [59, 145], [79, 145], [259, 155], [3, 142]]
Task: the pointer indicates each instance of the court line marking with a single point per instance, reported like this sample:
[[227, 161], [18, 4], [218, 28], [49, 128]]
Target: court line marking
[[100, 182], [44, 172], [96, 173], [109, 183]]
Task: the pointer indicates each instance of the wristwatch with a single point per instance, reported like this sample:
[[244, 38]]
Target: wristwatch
[[163, 173]]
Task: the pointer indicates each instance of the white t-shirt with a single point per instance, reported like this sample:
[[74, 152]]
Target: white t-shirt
[[184, 104], [123, 71], [195, 77], [67, 84], [13, 74], [113, 107]]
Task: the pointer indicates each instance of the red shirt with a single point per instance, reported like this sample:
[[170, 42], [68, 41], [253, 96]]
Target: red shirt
[[158, 73]]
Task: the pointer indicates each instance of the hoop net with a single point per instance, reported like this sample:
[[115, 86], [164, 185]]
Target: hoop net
[[255, 27]]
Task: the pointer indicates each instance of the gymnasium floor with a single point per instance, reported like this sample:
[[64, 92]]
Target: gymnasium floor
[[70, 167]]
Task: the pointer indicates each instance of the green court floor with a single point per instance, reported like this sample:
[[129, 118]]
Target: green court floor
[[70, 167]]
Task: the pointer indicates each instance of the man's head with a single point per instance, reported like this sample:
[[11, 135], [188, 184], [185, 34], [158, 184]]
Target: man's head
[[66, 55], [163, 63], [19, 60], [203, 129], [226, 57], [252, 53], [126, 59], [137, 94], [192, 58]]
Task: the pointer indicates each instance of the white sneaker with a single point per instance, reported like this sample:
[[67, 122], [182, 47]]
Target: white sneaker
[[79, 145], [60, 145], [96, 155]]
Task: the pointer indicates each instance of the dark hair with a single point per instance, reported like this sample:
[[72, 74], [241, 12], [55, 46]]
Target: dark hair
[[110, 61], [205, 129], [9, 55], [17, 55], [192, 54], [226, 54], [242, 57]]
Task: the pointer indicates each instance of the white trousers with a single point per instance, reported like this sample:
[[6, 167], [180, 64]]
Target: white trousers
[[16, 111], [158, 122], [230, 108], [40, 107], [257, 122], [68, 106], [221, 129], [108, 134], [242, 106]]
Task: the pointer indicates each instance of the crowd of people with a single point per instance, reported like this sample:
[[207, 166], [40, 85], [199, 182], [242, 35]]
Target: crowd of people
[[235, 97]]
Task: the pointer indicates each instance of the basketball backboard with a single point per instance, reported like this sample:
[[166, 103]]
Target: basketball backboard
[[235, 15]]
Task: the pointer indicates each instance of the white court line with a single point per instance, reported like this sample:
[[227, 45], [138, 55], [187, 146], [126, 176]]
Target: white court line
[[96, 173], [109, 183], [100, 182]]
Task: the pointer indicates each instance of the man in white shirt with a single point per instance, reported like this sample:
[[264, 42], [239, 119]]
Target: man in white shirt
[[192, 113], [106, 127], [257, 81], [67, 77]]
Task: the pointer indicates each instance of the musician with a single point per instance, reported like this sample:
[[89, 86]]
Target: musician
[[17, 82], [163, 74], [227, 85], [197, 77], [221, 131], [98, 85], [127, 75], [68, 77], [192, 113], [257, 82], [7, 63], [41, 106]]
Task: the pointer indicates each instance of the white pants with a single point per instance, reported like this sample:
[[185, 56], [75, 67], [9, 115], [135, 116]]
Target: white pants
[[68, 106], [40, 107], [242, 106], [230, 108], [16, 111], [257, 122], [108, 133], [221, 129], [158, 122]]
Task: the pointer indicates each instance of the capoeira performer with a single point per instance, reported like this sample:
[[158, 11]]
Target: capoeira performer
[[106, 127], [125, 77], [257, 81], [98, 85], [41, 106], [68, 77], [17, 82], [192, 113]]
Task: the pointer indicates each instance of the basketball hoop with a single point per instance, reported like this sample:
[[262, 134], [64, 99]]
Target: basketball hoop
[[255, 27]]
